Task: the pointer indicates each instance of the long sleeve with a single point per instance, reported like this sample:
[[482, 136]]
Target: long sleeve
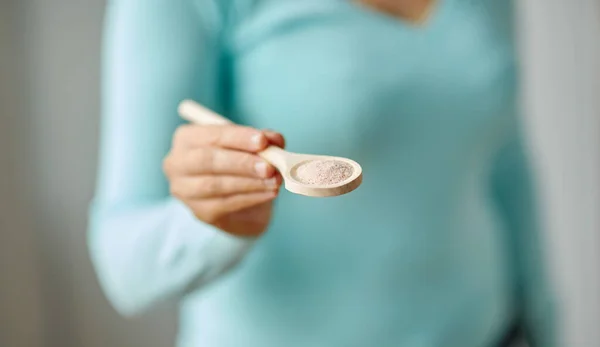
[[515, 193], [145, 245]]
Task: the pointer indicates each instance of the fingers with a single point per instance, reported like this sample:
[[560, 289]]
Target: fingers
[[211, 210], [229, 136], [224, 150], [203, 187], [215, 171], [212, 161], [225, 136]]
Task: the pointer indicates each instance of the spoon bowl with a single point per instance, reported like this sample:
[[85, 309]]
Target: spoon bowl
[[289, 164]]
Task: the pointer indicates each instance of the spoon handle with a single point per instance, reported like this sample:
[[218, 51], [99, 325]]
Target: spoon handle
[[198, 114]]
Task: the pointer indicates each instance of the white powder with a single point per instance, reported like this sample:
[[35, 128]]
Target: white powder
[[323, 172]]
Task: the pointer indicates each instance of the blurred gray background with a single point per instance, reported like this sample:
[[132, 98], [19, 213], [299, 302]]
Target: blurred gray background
[[49, 70]]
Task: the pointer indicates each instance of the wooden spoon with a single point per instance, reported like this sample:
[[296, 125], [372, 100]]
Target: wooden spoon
[[286, 162]]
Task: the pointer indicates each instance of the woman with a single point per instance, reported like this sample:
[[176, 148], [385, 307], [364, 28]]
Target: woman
[[438, 247]]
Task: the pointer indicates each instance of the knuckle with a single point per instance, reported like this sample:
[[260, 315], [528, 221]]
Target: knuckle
[[214, 137], [200, 158], [203, 187], [205, 157], [212, 158], [196, 188], [179, 134], [212, 186]]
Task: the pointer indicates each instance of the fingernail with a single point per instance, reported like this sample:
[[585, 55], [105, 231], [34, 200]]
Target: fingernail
[[261, 168], [271, 182], [258, 140]]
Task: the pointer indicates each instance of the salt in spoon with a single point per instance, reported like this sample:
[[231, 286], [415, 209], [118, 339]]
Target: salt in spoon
[[289, 164]]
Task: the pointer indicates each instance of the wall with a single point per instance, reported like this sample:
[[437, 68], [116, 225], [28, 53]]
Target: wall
[[55, 124], [561, 44], [49, 63], [21, 322]]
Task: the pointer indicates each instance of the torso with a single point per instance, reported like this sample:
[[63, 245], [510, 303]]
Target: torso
[[414, 256]]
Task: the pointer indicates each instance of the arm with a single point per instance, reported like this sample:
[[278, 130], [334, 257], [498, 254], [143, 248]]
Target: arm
[[514, 191], [145, 245]]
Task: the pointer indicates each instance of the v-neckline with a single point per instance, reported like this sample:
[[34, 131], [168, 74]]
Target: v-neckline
[[434, 13]]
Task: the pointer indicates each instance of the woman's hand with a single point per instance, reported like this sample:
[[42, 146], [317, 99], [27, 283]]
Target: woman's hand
[[215, 171]]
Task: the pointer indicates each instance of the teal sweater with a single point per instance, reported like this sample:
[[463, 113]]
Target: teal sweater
[[439, 246]]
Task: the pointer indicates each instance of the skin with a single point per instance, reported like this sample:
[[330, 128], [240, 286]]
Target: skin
[[415, 11], [216, 172]]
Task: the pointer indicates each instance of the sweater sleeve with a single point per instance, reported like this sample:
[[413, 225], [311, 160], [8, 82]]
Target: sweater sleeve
[[145, 245], [515, 194]]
